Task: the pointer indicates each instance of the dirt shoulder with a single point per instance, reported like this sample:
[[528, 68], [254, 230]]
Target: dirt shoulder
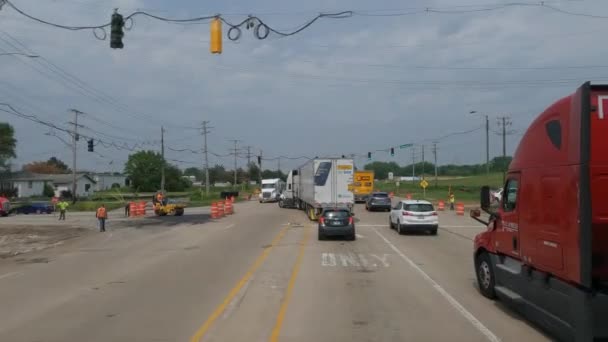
[[20, 239]]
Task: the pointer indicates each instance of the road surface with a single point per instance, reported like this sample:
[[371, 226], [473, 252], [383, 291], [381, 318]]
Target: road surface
[[258, 275]]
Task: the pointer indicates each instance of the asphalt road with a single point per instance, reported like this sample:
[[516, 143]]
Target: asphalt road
[[258, 275]]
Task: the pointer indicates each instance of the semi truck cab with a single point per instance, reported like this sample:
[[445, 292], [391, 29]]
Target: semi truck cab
[[271, 190], [545, 250]]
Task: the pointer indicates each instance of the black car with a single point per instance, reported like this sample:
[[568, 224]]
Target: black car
[[337, 222], [378, 200]]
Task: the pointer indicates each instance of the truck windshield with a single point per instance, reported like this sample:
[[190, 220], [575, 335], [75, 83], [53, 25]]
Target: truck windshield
[[268, 186]]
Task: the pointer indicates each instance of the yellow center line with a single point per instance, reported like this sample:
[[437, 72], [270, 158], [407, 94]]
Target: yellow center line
[[200, 333], [274, 336]]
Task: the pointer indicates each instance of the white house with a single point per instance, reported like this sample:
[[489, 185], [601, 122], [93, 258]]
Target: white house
[[106, 181], [29, 185], [85, 184]]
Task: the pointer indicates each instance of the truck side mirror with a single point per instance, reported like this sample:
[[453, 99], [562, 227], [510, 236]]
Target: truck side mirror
[[485, 198]]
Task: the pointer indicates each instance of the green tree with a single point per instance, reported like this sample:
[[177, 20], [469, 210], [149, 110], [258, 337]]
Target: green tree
[[60, 165], [198, 174], [48, 190], [144, 171], [381, 169], [7, 145], [254, 172]]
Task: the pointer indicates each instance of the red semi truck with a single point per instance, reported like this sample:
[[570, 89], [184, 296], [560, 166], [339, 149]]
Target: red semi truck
[[545, 250]]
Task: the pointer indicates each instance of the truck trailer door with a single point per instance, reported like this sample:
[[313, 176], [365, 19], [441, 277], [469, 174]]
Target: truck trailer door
[[507, 233]]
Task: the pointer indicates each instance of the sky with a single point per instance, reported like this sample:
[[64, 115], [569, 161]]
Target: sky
[[391, 74]]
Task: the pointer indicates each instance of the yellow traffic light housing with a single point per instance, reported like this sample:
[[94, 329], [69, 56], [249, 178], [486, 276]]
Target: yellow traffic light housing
[[216, 36]]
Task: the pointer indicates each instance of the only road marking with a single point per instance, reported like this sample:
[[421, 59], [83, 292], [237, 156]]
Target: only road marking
[[274, 336], [200, 333], [352, 260], [455, 304]]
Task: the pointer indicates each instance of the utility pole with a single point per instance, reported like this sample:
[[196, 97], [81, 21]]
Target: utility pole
[[236, 151], [75, 139], [435, 158], [205, 150], [487, 144], [413, 165], [504, 121], [422, 161], [279, 166], [248, 155], [162, 155], [260, 166]]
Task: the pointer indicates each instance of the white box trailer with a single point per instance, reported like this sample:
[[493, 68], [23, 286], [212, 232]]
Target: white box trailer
[[321, 183]]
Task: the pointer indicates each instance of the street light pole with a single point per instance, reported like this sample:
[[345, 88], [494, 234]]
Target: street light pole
[[486, 116]]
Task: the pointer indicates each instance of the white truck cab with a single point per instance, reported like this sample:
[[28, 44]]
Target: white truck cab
[[271, 190]]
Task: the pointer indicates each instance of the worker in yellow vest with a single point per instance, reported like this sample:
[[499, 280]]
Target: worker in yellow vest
[[452, 200]]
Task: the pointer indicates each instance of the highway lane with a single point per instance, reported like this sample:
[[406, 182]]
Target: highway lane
[[259, 275]]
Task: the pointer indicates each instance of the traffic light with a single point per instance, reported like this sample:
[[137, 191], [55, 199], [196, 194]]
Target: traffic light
[[116, 32], [91, 146], [259, 160], [215, 45], [392, 151], [369, 156]]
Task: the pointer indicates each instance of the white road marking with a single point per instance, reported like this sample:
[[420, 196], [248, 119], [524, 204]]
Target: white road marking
[[382, 259], [461, 309], [359, 236], [11, 274], [229, 226], [349, 259], [328, 259]]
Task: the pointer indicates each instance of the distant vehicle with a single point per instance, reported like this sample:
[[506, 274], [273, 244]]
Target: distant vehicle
[[34, 208], [414, 215], [271, 190], [378, 200], [363, 185], [337, 222], [5, 206], [319, 184]]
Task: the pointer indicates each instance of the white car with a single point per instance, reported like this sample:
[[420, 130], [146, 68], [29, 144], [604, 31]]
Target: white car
[[414, 215]]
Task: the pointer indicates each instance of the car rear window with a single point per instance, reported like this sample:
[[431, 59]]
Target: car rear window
[[419, 207], [380, 195], [336, 214]]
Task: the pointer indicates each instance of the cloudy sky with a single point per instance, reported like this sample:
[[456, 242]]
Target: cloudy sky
[[392, 74]]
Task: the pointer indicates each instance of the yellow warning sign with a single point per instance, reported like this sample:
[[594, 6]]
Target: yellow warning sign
[[424, 184]]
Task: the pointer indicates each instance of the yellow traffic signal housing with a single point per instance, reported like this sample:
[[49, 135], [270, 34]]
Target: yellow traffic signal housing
[[216, 36]]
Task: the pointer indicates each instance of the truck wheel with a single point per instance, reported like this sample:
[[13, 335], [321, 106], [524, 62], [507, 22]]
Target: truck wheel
[[280, 204], [485, 275], [179, 212]]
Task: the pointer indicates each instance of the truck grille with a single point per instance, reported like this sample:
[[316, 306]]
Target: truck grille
[[266, 195]]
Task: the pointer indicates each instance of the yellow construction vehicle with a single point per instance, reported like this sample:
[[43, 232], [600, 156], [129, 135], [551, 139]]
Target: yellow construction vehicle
[[164, 206]]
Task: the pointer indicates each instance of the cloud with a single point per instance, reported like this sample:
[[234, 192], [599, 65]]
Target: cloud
[[342, 86]]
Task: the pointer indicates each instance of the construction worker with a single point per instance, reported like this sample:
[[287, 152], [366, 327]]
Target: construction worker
[[452, 200], [127, 209], [160, 198], [63, 206], [102, 215]]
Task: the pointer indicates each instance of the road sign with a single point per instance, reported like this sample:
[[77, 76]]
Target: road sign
[[424, 184], [405, 146]]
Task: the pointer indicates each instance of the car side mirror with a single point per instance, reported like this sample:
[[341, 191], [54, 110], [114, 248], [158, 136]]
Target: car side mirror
[[485, 198]]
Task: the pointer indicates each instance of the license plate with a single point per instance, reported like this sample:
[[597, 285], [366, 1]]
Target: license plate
[[337, 223], [421, 217]]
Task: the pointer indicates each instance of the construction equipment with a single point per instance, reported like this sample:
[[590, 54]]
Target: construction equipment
[[163, 206]]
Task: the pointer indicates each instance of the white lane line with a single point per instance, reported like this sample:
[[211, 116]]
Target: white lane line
[[461, 309], [229, 226], [11, 274]]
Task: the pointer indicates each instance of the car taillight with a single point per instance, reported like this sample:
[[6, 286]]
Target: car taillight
[[322, 220], [350, 220], [434, 213], [407, 213]]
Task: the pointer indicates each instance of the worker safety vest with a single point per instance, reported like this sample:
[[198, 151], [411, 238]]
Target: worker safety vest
[[101, 213], [452, 198]]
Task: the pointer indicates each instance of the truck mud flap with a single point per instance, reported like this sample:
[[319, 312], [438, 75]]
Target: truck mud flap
[[562, 310]]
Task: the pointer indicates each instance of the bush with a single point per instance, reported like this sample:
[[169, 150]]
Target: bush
[[48, 190]]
